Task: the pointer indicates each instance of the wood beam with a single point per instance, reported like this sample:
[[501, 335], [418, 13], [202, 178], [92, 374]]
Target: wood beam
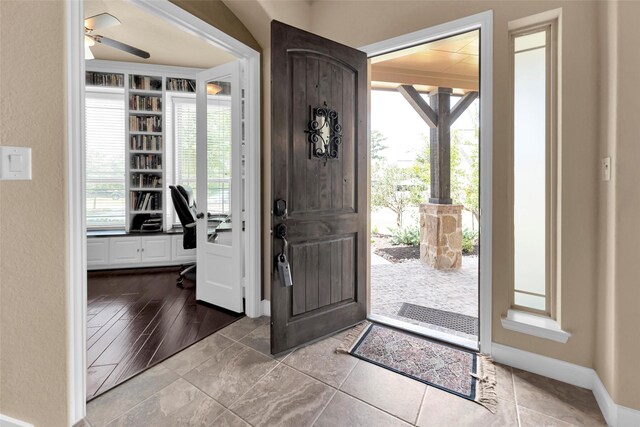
[[440, 147], [461, 106], [420, 105]]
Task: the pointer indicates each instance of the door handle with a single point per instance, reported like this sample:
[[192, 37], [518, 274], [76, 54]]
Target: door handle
[[200, 215]]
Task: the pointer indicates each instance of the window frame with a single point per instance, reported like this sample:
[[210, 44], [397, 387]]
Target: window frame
[[552, 166]]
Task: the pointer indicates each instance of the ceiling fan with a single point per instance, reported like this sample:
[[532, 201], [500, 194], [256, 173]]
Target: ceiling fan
[[101, 21]]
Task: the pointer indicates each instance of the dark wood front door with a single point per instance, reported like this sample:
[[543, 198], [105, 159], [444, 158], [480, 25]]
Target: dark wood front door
[[326, 195]]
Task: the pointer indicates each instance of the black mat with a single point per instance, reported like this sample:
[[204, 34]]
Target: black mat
[[446, 319]]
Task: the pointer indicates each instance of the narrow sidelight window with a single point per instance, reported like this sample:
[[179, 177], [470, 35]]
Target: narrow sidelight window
[[534, 65]]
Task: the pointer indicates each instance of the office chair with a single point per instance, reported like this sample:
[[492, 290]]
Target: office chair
[[187, 213]]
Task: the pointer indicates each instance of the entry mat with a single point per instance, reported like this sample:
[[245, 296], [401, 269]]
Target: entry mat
[[446, 319], [456, 370]]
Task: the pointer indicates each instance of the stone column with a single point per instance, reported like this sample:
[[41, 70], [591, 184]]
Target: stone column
[[441, 235]]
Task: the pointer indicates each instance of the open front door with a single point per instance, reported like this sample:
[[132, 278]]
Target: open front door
[[219, 187], [319, 185]]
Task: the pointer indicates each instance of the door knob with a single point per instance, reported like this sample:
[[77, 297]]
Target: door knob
[[200, 215]]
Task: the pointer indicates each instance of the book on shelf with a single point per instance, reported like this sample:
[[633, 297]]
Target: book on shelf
[[93, 78], [145, 82], [146, 142], [181, 85], [145, 103], [144, 180], [146, 201], [145, 123], [146, 161]]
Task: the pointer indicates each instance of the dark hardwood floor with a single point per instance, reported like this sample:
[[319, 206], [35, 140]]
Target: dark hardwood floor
[[137, 318]]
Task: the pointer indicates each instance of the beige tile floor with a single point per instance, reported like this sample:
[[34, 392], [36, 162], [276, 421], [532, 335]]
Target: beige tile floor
[[230, 379]]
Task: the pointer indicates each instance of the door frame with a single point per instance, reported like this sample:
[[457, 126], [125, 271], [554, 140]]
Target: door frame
[[76, 262], [484, 22]]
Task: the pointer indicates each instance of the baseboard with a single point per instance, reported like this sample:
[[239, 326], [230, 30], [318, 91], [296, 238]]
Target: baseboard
[[615, 415], [266, 307], [542, 365], [6, 421]]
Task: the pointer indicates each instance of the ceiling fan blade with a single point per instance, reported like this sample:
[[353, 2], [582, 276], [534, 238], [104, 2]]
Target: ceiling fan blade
[[103, 20], [124, 47]]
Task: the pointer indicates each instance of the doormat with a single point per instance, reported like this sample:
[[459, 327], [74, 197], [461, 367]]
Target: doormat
[[446, 319], [458, 371]]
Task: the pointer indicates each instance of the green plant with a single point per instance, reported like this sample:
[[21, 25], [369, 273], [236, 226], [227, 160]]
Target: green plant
[[375, 230], [469, 241], [406, 236]]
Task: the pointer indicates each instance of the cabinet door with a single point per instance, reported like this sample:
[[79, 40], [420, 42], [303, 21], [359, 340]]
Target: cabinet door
[[124, 250], [98, 252], [179, 253], [156, 249]]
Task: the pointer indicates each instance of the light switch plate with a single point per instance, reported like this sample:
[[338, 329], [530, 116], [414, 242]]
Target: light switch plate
[[15, 163], [605, 169]]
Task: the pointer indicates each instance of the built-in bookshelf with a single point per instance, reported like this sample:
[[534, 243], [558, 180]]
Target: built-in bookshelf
[[146, 148], [145, 92]]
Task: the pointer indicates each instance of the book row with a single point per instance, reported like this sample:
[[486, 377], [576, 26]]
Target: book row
[[145, 123], [146, 201], [104, 79], [144, 180], [146, 161], [145, 103], [145, 82], [146, 142], [181, 85]]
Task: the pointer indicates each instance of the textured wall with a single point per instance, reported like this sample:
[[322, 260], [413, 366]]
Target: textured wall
[[33, 332], [627, 281]]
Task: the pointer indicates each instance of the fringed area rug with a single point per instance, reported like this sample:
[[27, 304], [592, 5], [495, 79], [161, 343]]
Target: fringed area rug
[[458, 371]]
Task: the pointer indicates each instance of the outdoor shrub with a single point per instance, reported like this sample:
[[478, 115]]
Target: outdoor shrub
[[469, 241], [375, 230], [407, 236]]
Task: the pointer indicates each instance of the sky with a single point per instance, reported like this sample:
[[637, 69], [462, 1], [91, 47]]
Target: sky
[[392, 115]]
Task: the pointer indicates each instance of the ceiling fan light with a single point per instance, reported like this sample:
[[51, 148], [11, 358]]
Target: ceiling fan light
[[213, 89]]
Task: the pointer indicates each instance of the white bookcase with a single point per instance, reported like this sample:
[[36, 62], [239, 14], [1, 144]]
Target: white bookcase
[[148, 164], [146, 144], [147, 160]]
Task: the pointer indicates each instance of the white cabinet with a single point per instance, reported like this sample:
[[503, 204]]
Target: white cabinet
[[156, 249], [97, 252], [137, 251], [124, 250], [179, 253]]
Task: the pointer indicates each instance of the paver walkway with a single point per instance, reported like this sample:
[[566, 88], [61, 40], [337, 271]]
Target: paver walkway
[[416, 283]]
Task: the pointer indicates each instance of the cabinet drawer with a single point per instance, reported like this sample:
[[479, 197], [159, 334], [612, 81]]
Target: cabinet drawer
[[156, 249], [124, 250], [97, 252]]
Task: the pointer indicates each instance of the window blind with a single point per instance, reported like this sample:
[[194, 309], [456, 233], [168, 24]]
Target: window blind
[[105, 159]]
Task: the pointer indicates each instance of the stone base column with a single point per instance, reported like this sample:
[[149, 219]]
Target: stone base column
[[441, 235]]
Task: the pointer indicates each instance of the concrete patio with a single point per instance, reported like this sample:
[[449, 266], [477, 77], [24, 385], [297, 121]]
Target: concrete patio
[[416, 283]]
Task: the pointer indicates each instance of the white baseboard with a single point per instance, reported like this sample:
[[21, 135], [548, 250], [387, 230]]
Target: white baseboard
[[542, 365], [615, 415], [266, 307], [6, 421]]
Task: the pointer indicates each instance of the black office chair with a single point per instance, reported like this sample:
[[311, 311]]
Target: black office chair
[[187, 213]]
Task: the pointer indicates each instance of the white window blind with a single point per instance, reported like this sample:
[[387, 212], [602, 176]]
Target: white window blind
[[105, 159]]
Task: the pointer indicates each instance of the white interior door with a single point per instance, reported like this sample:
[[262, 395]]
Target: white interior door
[[219, 187]]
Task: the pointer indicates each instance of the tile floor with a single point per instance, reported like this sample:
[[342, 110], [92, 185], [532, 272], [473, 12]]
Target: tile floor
[[230, 379]]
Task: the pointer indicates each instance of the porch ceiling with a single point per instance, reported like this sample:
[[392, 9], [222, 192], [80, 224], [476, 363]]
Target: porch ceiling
[[452, 62]]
